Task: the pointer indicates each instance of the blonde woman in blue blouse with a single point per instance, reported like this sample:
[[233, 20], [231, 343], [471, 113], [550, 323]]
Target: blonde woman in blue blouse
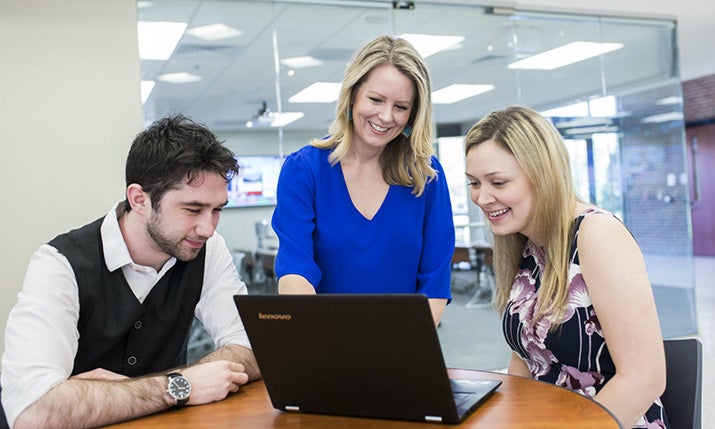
[[366, 209]]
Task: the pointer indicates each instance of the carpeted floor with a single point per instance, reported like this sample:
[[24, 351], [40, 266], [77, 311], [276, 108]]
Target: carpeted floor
[[472, 337], [676, 311]]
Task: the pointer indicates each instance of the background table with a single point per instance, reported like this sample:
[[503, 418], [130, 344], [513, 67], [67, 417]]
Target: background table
[[519, 403]]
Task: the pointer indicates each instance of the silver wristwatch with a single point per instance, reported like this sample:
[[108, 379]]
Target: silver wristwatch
[[178, 388]]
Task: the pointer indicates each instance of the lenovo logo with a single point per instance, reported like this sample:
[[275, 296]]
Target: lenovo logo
[[269, 316]]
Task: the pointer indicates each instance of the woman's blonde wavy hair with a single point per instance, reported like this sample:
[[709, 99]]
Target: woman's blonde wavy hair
[[405, 161], [541, 154]]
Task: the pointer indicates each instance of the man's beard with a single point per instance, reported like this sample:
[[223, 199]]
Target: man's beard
[[168, 244]]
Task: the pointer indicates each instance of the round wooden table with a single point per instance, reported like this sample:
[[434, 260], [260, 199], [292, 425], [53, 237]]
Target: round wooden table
[[519, 403]]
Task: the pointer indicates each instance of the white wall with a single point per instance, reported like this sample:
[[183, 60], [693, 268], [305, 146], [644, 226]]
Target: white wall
[[69, 108]]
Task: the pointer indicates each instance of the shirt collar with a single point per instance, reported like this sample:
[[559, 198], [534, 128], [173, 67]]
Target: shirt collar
[[116, 252]]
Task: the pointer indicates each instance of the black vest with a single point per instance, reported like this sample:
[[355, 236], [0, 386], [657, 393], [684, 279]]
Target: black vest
[[116, 331]]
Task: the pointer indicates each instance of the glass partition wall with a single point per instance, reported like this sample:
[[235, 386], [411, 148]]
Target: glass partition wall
[[241, 67]]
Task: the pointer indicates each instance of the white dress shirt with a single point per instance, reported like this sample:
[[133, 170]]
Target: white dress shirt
[[41, 335]]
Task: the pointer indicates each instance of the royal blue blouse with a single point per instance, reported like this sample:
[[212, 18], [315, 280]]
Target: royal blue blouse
[[406, 248]]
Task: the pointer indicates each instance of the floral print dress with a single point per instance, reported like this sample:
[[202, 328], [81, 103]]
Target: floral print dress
[[574, 355]]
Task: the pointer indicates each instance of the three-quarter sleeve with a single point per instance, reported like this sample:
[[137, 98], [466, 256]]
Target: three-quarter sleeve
[[433, 277], [294, 217]]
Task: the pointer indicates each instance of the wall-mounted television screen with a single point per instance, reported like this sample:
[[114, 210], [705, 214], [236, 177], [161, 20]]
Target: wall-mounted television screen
[[256, 182]]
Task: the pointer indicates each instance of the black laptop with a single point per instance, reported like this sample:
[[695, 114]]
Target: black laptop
[[356, 355]]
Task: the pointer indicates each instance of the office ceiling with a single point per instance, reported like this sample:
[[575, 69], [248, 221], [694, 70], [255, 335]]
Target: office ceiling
[[239, 74]]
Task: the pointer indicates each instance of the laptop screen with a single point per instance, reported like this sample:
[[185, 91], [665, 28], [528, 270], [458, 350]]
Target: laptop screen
[[375, 355]]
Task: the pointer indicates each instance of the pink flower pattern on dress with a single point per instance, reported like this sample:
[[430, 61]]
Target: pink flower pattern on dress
[[580, 382], [574, 355]]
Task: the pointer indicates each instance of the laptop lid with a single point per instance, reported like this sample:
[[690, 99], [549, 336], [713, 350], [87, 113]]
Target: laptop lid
[[370, 355]]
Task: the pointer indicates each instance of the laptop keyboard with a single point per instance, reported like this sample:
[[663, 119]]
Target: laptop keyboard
[[460, 397]]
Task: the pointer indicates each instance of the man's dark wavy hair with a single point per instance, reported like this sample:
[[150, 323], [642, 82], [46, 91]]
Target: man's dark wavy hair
[[172, 150]]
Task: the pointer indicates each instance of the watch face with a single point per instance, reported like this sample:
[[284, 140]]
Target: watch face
[[179, 388]]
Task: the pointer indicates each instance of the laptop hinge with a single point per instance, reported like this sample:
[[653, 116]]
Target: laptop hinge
[[433, 419], [292, 408]]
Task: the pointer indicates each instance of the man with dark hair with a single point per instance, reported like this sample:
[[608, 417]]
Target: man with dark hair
[[99, 333]]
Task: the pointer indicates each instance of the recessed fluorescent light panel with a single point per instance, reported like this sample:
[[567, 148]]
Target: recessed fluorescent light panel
[[669, 100], [664, 117], [428, 45], [274, 119], [590, 130], [301, 62], [603, 106], [576, 110], [286, 118], [564, 55], [458, 92], [157, 40], [319, 92], [214, 32], [181, 77], [146, 86]]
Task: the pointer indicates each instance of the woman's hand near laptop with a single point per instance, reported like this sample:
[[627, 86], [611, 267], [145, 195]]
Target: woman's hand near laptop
[[294, 284]]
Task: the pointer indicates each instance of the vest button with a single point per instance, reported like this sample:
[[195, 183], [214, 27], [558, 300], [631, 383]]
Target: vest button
[[132, 360], [138, 324]]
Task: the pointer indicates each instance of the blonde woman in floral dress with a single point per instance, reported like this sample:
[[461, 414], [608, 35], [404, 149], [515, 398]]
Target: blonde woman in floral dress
[[578, 309]]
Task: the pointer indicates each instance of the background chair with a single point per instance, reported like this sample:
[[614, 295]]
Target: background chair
[[266, 238], [682, 398]]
